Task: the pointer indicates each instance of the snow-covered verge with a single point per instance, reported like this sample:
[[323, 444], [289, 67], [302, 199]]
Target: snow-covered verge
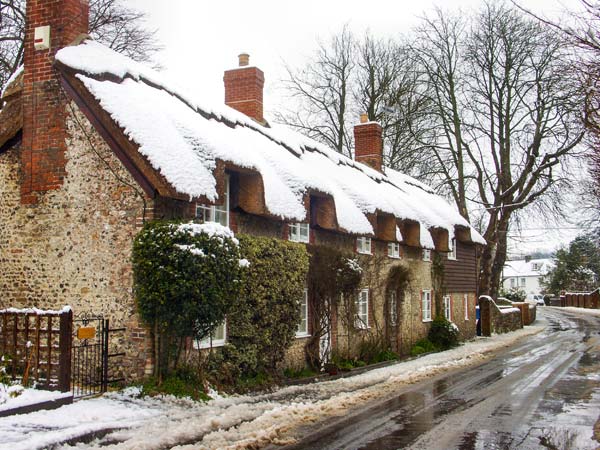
[[591, 312], [229, 422], [12, 397]]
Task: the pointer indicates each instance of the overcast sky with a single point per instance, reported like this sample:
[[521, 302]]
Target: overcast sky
[[202, 38]]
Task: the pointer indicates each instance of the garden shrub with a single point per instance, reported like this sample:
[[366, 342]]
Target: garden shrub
[[186, 277], [423, 346], [263, 324], [443, 333], [513, 294]]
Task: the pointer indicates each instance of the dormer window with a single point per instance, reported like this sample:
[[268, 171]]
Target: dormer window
[[394, 249], [363, 245], [452, 252], [299, 232], [535, 266], [216, 213], [426, 254]]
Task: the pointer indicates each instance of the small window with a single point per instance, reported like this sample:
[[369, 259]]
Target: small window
[[299, 232], [447, 307], [216, 339], [393, 309], [362, 309], [302, 330], [216, 213], [363, 245], [394, 249], [535, 266], [513, 283], [452, 253], [522, 282], [466, 302], [426, 254], [426, 305]]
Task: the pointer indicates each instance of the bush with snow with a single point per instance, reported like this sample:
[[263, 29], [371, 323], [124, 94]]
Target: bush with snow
[[443, 334], [186, 278]]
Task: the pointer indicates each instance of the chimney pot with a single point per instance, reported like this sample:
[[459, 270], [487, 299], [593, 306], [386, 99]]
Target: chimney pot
[[244, 59], [364, 118]]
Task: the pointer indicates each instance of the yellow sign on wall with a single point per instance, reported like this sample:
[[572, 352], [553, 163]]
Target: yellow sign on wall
[[86, 333]]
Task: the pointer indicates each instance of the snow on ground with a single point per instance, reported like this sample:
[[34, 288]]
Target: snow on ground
[[26, 397], [229, 422], [591, 312]]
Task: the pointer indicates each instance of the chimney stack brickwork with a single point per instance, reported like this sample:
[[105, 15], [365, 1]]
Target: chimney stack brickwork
[[44, 104], [368, 144], [244, 89]]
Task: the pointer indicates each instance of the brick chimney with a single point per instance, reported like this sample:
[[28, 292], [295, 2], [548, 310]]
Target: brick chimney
[[244, 89], [368, 143], [49, 26]]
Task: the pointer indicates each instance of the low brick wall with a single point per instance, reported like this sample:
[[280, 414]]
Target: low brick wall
[[496, 320], [528, 312]]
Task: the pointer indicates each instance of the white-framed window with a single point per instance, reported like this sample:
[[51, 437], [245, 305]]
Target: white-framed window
[[394, 249], [217, 338], [466, 303], [426, 254], [523, 282], [535, 266], [426, 305], [216, 213], [363, 245], [447, 307], [362, 309], [513, 282], [452, 252], [393, 309], [299, 232], [302, 330]]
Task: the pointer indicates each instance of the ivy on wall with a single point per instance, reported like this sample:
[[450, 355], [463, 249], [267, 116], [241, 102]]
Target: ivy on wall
[[264, 320]]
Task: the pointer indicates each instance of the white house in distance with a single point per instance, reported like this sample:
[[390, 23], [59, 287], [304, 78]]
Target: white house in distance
[[526, 274]]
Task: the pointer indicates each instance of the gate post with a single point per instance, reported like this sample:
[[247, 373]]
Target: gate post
[[485, 315], [65, 342]]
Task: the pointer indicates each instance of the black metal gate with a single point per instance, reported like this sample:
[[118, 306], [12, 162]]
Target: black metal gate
[[90, 356]]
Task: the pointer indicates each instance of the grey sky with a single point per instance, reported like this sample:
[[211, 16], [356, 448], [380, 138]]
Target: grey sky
[[203, 38]]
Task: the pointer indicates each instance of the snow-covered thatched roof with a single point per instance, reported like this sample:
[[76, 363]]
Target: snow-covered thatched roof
[[184, 139]]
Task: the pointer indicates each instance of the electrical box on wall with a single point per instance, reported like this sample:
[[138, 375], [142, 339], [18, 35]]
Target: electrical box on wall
[[41, 38]]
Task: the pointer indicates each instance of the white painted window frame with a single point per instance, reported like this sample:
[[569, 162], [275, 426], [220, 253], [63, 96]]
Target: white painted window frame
[[295, 232], [426, 254], [452, 252], [302, 330], [447, 302], [362, 310], [393, 309], [363, 245], [426, 305], [210, 342], [394, 250], [208, 213], [466, 305]]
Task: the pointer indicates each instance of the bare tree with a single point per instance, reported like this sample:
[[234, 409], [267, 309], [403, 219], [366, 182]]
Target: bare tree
[[115, 25], [322, 93], [507, 112]]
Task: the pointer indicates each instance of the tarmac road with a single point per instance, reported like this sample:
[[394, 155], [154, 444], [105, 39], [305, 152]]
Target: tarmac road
[[542, 393]]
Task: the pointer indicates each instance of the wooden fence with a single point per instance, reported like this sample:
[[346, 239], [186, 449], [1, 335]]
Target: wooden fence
[[36, 346], [581, 299]]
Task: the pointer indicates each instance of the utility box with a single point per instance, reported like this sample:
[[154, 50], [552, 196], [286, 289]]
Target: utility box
[[41, 38]]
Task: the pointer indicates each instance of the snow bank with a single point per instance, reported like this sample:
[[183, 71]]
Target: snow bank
[[230, 422], [182, 138], [26, 396], [587, 311]]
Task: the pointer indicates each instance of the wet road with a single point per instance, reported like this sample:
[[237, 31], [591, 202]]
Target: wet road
[[542, 393]]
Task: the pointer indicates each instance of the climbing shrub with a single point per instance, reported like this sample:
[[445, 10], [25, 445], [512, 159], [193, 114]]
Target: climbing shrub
[[443, 334], [333, 275], [186, 278], [263, 324]]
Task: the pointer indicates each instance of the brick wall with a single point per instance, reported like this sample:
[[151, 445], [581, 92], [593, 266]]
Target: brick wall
[[74, 246], [44, 130], [368, 142], [244, 91]]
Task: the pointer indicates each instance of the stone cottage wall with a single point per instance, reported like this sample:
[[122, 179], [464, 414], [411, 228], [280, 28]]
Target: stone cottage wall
[[74, 246]]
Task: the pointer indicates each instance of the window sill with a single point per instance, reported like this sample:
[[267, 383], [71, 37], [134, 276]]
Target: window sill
[[209, 346], [427, 320], [302, 335], [394, 257]]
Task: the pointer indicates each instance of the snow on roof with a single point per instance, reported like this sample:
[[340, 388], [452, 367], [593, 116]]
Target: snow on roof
[[531, 268], [183, 138]]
